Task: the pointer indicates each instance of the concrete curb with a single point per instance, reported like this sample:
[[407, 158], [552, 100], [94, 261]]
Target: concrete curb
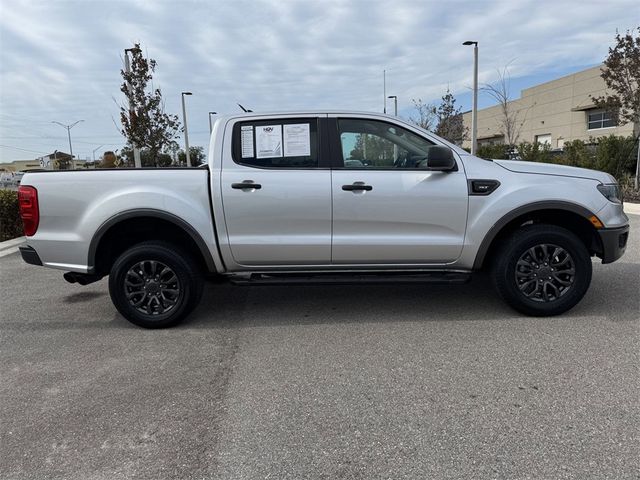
[[10, 246], [632, 208]]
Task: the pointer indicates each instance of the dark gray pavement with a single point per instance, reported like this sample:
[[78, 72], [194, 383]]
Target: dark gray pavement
[[359, 382]]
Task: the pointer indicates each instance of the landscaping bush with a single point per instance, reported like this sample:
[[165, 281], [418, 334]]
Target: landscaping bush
[[629, 194], [613, 154], [10, 222], [579, 154], [493, 152], [534, 152]]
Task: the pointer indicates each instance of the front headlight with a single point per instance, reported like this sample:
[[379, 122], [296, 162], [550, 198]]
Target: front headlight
[[611, 192]]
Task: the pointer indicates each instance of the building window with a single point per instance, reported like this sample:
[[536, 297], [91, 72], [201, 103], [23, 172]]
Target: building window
[[599, 119], [544, 139]]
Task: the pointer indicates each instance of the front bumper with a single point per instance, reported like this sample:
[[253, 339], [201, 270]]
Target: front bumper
[[29, 255], [614, 243]]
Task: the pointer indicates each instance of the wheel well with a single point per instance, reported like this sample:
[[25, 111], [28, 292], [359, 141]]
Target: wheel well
[[571, 221], [131, 231]]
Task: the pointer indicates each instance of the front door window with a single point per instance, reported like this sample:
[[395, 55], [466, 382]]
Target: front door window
[[371, 144]]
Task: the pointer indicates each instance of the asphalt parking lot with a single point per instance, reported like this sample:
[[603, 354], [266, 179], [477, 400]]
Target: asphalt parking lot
[[320, 382]]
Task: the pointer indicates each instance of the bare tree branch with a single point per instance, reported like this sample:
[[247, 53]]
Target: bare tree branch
[[426, 114]]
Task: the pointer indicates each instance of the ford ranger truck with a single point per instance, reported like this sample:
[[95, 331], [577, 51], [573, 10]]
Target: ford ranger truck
[[324, 197]]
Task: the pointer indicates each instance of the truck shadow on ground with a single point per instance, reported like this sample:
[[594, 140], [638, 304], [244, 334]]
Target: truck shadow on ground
[[83, 296], [613, 294]]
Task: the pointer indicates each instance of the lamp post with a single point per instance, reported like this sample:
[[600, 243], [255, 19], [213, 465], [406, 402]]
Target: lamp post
[[69, 127], [210, 124], [94, 155], [474, 111], [137, 163], [384, 90], [395, 104], [186, 133]]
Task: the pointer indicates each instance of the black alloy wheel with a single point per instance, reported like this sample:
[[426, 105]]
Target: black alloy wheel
[[155, 284]]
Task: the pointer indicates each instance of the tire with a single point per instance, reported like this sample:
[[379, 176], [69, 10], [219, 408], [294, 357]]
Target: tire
[[536, 287], [155, 284]]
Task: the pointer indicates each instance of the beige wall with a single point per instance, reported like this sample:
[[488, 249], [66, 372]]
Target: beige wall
[[20, 165], [557, 107], [26, 165]]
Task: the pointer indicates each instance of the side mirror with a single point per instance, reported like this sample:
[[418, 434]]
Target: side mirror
[[440, 158]]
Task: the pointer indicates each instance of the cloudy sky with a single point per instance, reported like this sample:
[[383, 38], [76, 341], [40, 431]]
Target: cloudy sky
[[60, 60]]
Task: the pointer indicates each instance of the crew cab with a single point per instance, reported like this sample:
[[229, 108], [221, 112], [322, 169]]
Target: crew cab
[[324, 197]]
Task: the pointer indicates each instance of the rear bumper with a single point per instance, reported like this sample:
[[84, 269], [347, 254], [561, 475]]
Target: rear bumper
[[614, 242], [29, 255]]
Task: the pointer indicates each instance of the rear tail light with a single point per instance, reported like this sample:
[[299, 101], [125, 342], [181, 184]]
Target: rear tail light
[[29, 212]]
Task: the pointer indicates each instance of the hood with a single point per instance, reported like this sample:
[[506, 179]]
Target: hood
[[552, 169]]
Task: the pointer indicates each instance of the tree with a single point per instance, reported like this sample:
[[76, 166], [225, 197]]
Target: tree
[[145, 124], [109, 160], [450, 124], [147, 159], [510, 121], [373, 149], [426, 114], [621, 74], [196, 154]]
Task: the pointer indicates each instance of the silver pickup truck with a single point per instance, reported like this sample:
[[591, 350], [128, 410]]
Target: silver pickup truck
[[324, 197]]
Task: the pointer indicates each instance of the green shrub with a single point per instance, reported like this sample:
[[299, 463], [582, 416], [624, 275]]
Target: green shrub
[[579, 154], [10, 222], [629, 193], [534, 152], [615, 155], [497, 151]]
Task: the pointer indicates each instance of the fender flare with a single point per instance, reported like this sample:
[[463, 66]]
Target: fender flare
[[149, 212], [515, 213]]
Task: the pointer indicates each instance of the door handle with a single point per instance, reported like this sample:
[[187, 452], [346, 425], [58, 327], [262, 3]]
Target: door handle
[[246, 185], [357, 187]]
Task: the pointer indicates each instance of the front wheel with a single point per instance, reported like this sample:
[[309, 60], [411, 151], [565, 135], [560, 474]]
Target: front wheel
[[155, 284], [542, 270]]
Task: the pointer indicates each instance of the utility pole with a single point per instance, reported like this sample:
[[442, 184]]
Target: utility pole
[[474, 112], [69, 127], [210, 124], [384, 90], [137, 163], [186, 132]]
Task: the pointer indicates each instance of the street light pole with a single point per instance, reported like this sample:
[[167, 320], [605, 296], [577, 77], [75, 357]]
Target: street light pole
[[210, 124], [94, 155], [186, 133], [474, 112], [137, 163], [384, 90], [69, 127], [395, 109], [395, 104]]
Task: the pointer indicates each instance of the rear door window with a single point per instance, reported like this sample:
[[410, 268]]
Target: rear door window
[[290, 143]]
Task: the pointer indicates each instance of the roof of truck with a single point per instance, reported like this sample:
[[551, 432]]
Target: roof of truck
[[300, 112]]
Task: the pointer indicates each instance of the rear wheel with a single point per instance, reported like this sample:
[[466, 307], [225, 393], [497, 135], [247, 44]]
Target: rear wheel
[[542, 270], [155, 284]]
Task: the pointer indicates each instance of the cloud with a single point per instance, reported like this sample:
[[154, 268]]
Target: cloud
[[61, 60]]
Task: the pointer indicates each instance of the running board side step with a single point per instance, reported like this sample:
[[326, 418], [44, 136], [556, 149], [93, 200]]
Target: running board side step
[[350, 278]]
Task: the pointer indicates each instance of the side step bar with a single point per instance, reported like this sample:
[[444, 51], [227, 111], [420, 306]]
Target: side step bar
[[82, 278], [350, 278]]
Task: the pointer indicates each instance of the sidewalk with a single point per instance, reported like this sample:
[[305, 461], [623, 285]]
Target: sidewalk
[[10, 246], [632, 208]]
